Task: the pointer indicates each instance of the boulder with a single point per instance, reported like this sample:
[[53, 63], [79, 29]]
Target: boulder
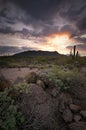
[[83, 114], [39, 108], [74, 108], [37, 93], [54, 92], [67, 115], [49, 83], [64, 100], [77, 126], [31, 77], [79, 92], [62, 106], [77, 118]]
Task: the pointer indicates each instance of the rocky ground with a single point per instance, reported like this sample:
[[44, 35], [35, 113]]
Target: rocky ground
[[12, 74], [48, 108], [52, 109]]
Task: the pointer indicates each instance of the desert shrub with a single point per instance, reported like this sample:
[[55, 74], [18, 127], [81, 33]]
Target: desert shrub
[[66, 78], [22, 87], [10, 116], [54, 80], [4, 83], [31, 77]]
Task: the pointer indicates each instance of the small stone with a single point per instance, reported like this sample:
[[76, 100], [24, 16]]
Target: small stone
[[67, 115], [83, 114], [62, 106], [64, 128], [77, 126], [41, 84], [66, 98], [64, 101], [74, 108], [77, 118], [54, 92]]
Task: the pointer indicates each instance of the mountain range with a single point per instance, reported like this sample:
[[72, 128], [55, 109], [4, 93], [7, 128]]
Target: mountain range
[[37, 53]]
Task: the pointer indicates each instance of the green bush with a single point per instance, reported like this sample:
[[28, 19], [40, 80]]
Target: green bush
[[4, 83], [10, 116], [22, 87], [66, 79], [31, 77]]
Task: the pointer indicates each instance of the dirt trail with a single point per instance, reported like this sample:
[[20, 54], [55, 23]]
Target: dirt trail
[[13, 73]]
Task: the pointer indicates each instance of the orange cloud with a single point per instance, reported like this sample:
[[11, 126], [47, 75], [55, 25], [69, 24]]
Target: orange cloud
[[58, 42], [68, 34]]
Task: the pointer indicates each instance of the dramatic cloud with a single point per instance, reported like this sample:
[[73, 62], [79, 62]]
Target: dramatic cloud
[[32, 23], [9, 50]]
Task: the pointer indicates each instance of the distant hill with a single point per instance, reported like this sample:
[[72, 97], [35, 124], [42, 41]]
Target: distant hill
[[37, 53]]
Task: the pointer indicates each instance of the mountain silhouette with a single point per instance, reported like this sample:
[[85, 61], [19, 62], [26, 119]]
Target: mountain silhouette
[[37, 53]]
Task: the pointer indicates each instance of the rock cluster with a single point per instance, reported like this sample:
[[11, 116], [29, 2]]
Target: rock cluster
[[72, 114], [45, 106]]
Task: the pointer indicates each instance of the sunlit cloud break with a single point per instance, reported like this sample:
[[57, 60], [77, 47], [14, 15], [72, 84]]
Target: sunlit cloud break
[[57, 25]]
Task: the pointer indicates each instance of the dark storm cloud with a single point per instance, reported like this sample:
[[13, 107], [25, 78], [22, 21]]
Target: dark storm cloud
[[12, 49], [28, 11], [69, 28], [10, 13], [38, 8], [82, 24], [80, 47], [81, 44], [6, 30], [8, 49], [40, 18], [73, 9], [43, 12], [81, 39], [75, 12]]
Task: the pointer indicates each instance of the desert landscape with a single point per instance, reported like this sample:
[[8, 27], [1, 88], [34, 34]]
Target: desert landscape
[[42, 64], [48, 92]]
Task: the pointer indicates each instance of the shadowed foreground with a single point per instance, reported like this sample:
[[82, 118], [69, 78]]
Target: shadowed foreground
[[43, 99]]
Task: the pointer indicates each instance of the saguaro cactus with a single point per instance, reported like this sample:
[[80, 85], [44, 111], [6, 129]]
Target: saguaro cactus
[[77, 54], [71, 52], [74, 51]]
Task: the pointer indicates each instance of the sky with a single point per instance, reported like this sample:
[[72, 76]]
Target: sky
[[48, 25]]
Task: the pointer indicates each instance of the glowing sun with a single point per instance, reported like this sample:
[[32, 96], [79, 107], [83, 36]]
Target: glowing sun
[[59, 41]]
